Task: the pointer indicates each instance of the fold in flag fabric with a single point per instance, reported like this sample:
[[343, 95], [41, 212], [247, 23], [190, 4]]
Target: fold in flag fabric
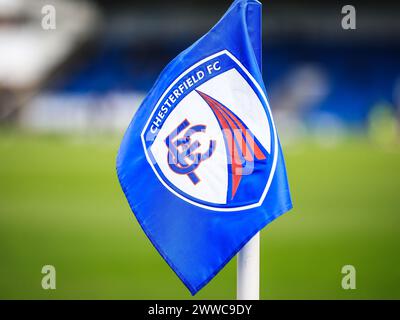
[[201, 164]]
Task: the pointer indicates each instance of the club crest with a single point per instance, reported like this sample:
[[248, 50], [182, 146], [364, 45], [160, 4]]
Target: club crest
[[210, 139]]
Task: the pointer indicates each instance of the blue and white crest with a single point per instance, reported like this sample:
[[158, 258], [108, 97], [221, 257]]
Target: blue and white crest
[[200, 163], [210, 139]]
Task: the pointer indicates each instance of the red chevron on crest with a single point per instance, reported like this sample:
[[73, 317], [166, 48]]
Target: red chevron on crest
[[240, 142]]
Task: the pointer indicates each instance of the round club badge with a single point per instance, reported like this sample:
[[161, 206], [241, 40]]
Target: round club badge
[[211, 139]]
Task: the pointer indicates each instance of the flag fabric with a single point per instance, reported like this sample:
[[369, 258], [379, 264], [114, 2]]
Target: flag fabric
[[201, 164]]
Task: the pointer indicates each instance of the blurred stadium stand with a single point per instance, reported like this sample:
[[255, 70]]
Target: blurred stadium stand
[[31, 56], [93, 71]]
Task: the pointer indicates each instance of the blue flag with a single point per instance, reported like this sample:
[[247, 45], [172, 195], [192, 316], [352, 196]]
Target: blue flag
[[201, 164]]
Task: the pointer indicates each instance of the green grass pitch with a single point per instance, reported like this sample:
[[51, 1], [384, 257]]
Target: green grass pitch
[[61, 204]]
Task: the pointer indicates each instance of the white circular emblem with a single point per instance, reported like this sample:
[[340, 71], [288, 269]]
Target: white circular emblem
[[211, 139]]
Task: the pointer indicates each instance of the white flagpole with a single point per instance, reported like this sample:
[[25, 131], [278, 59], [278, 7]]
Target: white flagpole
[[248, 270], [248, 259]]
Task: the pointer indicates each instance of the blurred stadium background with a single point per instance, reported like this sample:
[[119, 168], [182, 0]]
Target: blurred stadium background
[[66, 96]]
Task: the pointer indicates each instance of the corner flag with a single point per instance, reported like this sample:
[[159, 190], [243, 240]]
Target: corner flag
[[201, 164]]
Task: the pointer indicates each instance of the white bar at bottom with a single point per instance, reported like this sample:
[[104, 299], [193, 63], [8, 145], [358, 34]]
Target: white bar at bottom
[[248, 270]]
